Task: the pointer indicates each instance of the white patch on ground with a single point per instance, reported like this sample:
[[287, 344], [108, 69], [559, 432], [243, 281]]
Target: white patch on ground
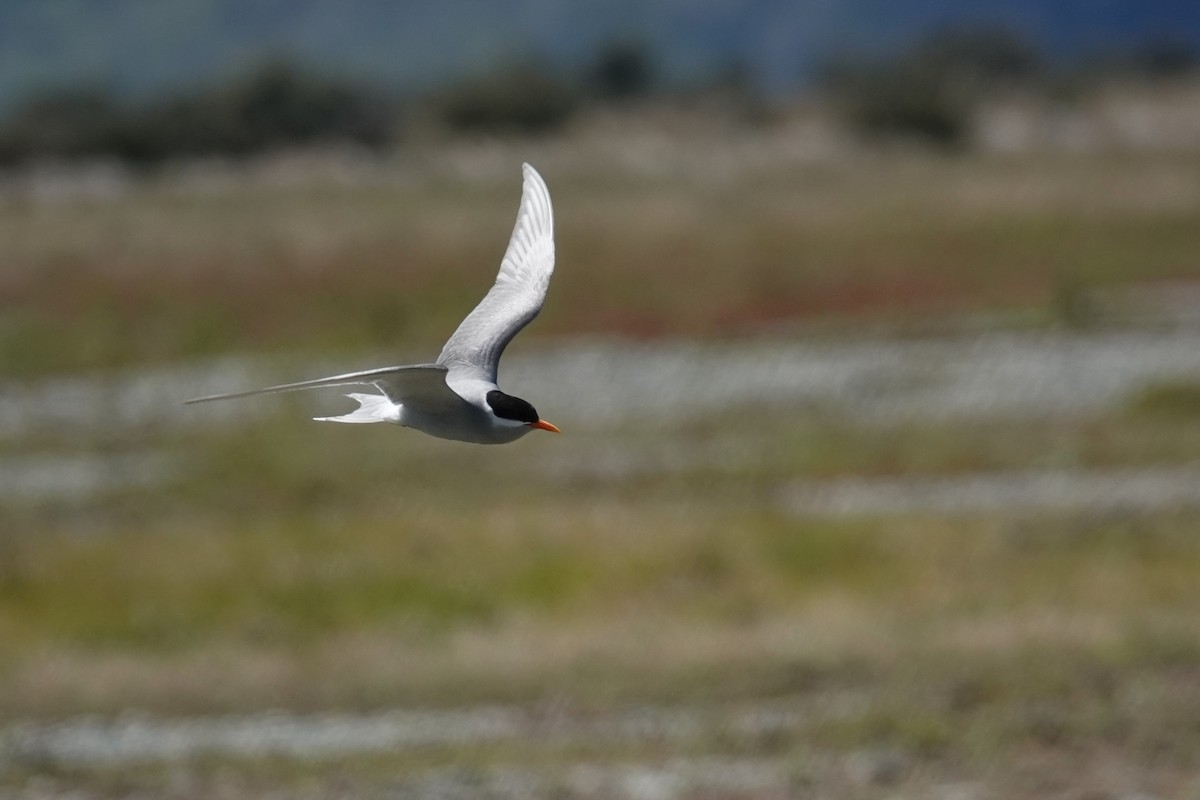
[[74, 477], [1124, 490], [600, 384], [138, 738], [596, 386]]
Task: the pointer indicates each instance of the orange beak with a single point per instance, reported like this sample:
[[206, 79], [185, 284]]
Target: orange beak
[[541, 424]]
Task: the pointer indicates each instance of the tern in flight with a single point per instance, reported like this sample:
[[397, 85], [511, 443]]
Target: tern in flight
[[456, 397]]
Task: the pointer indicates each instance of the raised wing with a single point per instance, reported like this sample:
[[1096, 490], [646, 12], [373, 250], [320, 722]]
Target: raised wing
[[420, 386], [516, 298]]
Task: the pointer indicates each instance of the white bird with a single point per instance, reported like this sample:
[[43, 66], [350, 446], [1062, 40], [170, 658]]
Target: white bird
[[456, 397]]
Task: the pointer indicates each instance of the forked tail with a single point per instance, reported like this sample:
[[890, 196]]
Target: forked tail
[[371, 408]]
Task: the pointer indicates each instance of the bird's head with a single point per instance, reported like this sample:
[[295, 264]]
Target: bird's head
[[514, 411]]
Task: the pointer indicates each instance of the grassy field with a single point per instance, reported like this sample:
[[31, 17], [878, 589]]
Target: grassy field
[[173, 268], [300, 567]]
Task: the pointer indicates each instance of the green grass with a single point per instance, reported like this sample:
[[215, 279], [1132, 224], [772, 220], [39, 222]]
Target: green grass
[[1175, 401], [418, 573]]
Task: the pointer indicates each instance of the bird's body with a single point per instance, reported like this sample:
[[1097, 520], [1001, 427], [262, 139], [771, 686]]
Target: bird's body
[[457, 396]]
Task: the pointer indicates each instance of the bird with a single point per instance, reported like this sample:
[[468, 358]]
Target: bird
[[457, 397]]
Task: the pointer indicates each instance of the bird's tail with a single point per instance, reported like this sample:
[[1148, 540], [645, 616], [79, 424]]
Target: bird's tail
[[371, 408]]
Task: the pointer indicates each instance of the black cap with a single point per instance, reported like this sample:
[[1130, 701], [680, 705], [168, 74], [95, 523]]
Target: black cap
[[506, 406]]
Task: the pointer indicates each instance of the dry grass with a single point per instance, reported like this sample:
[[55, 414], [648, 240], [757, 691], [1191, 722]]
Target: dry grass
[[168, 270]]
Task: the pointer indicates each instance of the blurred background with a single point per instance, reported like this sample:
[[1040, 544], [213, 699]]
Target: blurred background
[[875, 338]]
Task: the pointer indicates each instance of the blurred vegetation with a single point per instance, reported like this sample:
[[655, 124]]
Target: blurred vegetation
[[285, 537], [522, 98], [928, 92], [1179, 400], [282, 564], [299, 565], [931, 91], [623, 70], [880, 242], [304, 566], [276, 105], [1169, 55], [282, 104]]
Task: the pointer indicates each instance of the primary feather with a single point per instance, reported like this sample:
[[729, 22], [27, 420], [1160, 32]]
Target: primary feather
[[417, 386], [474, 350]]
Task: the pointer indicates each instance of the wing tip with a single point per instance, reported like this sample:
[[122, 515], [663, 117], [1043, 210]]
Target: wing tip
[[530, 174], [207, 398], [535, 200]]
